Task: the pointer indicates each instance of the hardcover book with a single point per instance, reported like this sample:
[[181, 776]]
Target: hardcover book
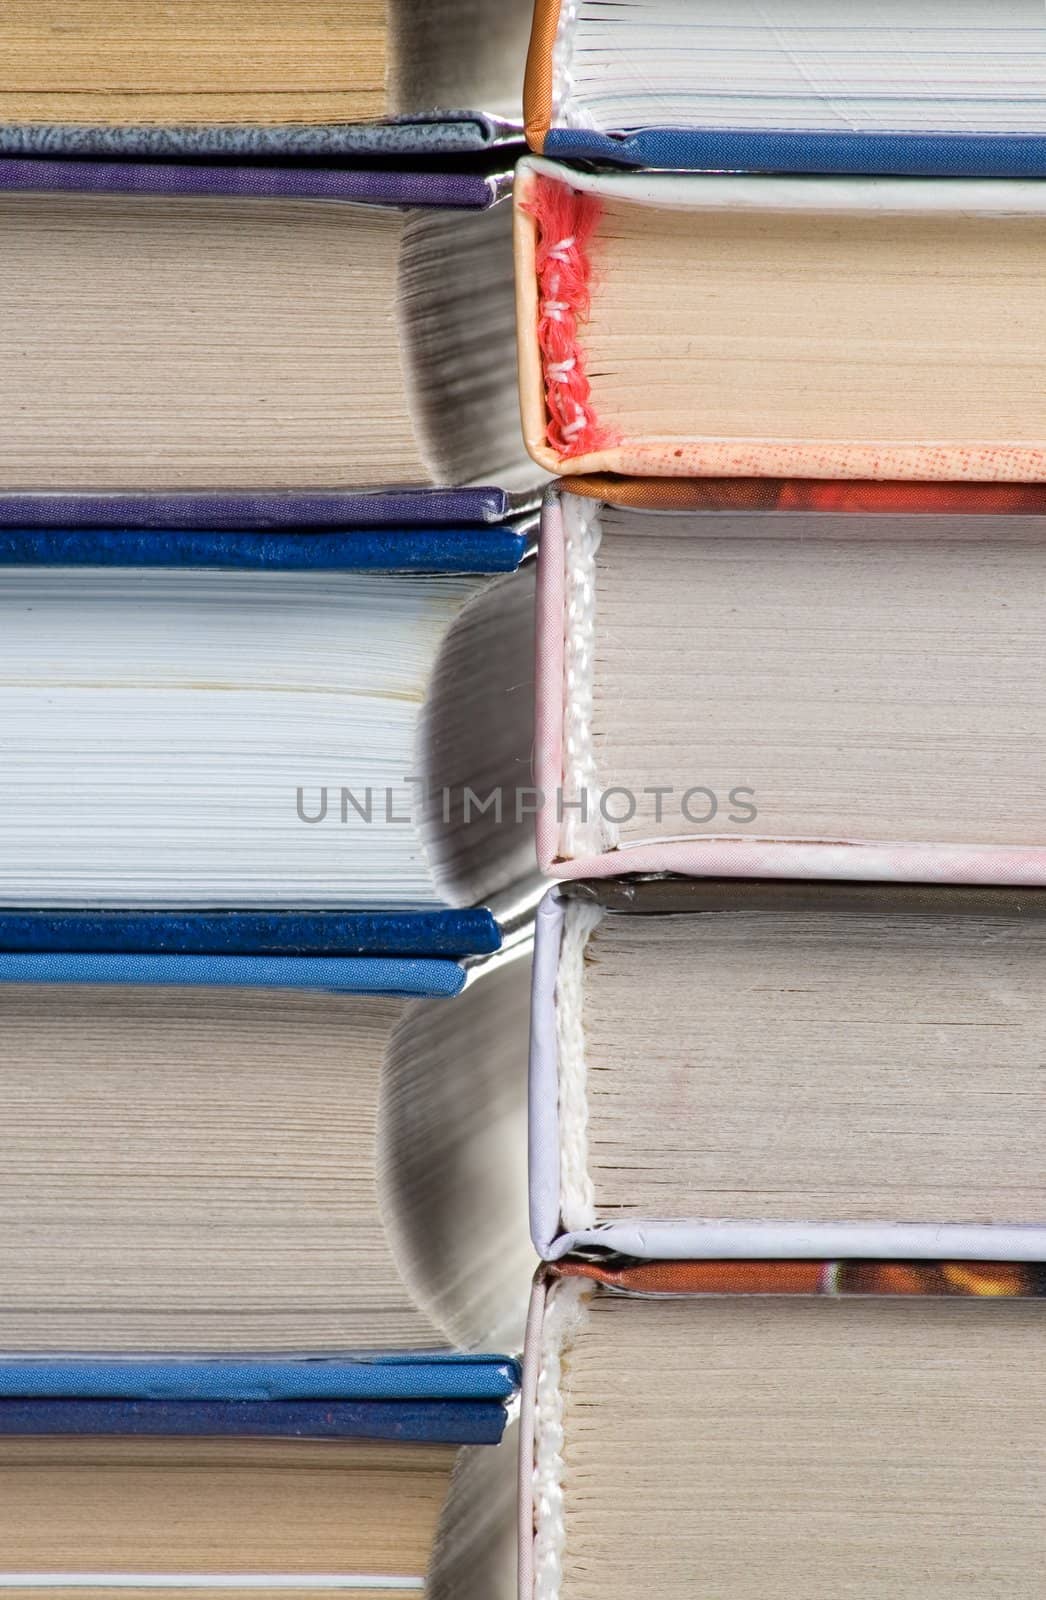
[[261, 80], [236, 1153], [184, 327], [916, 87], [735, 326], [294, 718], [797, 679], [782, 1429], [744, 1068], [259, 1474]]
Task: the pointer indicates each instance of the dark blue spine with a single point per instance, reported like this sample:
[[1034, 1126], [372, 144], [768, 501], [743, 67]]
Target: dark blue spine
[[417, 1421], [259, 933], [480, 549]]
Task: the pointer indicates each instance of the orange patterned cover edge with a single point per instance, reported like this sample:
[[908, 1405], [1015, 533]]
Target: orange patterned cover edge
[[980, 1279], [860, 496]]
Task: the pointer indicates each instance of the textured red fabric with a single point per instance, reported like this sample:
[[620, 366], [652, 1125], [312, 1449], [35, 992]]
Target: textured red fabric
[[566, 220]]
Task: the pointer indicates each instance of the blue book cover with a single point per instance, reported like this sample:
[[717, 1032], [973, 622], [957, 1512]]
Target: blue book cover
[[405, 976], [435, 1398], [370, 1376], [453, 548], [56, 936], [410, 1421], [812, 152]]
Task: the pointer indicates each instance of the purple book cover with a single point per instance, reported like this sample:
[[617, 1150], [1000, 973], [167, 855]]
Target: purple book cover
[[463, 191], [300, 510]]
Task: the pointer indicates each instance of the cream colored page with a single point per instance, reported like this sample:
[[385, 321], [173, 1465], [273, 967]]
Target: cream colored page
[[220, 1506], [194, 1170], [861, 688], [175, 343], [817, 1067], [196, 61], [769, 1449], [780, 325]]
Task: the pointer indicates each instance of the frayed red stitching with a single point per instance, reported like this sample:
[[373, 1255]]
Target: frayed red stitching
[[566, 220]]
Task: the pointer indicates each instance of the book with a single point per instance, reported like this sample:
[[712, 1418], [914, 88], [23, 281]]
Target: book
[[743, 1068], [304, 1475], [792, 680], [183, 327], [301, 78], [912, 88], [294, 719], [237, 1154], [882, 1434], [727, 325]]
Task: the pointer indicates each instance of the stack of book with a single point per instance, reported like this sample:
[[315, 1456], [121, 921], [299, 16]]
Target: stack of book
[[788, 1030], [265, 668], [292, 343]]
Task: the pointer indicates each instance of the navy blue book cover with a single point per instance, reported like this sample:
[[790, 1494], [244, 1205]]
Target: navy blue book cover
[[426, 550], [303, 935]]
